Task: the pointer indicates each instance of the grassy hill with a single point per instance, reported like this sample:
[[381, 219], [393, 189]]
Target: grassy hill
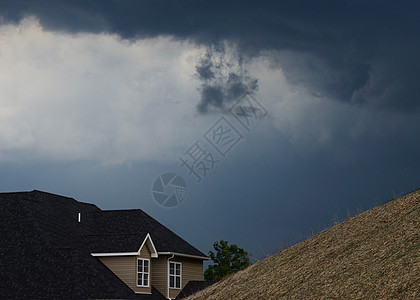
[[374, 255]]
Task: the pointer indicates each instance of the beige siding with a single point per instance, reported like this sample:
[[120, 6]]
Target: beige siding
[[122, 266], [191, 269], [160, 274], [125, 267], [145, 252]]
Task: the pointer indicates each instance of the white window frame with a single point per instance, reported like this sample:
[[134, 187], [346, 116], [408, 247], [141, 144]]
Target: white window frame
[[142, 272], [175, 275]]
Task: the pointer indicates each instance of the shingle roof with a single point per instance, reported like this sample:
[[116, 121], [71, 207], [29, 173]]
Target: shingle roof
[[193, 287], [125, 230], [45, 251]]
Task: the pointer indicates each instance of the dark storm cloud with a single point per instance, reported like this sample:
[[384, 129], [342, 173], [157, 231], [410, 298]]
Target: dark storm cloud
[[361, 51], [223, 77]]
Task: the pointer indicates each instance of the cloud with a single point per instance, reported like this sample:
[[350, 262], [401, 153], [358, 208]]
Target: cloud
[[356, 52], [94, 96], [316, 124], [391, 84], [224, 78], [85, 96]]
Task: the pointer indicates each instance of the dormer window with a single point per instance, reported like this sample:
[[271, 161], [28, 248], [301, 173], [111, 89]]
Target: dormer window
[[143, 272]]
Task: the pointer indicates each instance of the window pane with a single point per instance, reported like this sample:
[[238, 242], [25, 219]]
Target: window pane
[[142, 272], [178, 282], [171, 281]]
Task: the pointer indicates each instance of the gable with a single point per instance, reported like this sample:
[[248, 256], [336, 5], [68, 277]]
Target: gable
[[119, 231], [147, 243]]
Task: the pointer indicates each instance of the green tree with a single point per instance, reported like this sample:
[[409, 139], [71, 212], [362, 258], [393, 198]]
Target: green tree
[[227, 260]]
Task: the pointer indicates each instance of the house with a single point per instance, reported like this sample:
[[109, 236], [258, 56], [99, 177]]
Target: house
[[56, 247]]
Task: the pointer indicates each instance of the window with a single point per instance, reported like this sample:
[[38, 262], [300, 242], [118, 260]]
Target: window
[[174, 275], [143, 271]]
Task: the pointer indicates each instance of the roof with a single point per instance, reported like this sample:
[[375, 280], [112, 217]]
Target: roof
[[193, 286], [46, 253], [124, 231]]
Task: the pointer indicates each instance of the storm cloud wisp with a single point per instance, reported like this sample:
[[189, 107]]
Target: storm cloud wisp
[[224, 78]]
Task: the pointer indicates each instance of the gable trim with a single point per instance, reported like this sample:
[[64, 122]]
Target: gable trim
[[147, 239], [115, 254], [152, 248], [184, 255]]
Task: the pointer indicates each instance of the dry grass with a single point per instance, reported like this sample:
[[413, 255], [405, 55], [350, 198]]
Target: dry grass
[[374, 255]]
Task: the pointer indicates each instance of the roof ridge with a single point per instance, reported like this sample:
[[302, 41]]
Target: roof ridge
[[120, 210], [65, 197], [118, 234], [15, 193], [33, 192], [49, 193]]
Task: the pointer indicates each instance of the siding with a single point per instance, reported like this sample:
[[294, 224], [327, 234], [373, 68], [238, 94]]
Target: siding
[[191, 269], [160, 274], [125, 268], [122, 266]]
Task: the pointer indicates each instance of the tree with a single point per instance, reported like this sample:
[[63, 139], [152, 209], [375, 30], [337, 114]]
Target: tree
[[227, 259]]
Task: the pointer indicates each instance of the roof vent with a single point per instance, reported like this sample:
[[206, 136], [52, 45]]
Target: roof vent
[[79, 217]]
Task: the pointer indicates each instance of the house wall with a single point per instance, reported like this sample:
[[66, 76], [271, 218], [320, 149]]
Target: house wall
[[160, 274], [191, 269], [125, 268]]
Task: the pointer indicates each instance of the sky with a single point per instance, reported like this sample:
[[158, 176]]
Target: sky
[[276, 118]]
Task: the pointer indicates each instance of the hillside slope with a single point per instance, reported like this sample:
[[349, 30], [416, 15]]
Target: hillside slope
[[374, 255]]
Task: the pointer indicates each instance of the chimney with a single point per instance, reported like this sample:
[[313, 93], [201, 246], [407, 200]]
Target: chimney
[[79, 217]]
